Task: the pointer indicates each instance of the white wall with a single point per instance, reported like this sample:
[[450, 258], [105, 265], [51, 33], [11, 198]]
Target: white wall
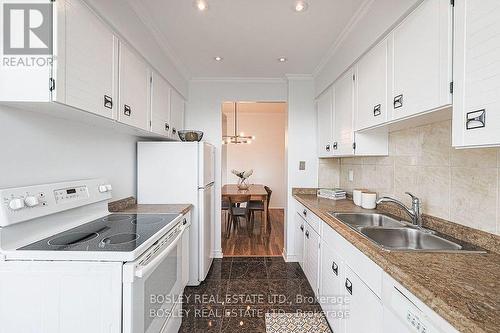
[[301, 146], [266, 154], [121, 16], [377, 19], [203, 112], [38, 149]]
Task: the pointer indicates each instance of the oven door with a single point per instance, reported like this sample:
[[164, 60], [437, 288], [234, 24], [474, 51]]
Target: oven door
[[152, 286]]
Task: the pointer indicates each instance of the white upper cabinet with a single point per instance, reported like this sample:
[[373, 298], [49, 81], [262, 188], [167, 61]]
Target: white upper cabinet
[[343, 133], [160, 105], [324, 106], [134, 90], [421, 60], [177, 114], [371, 88], [87, 76], [476, 97]]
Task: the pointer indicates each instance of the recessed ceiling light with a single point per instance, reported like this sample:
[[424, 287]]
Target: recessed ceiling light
[[218, 58], [282, 59], [201, 5], [300, 6]]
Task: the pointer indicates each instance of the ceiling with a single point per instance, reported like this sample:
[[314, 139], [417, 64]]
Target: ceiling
[[250, 35]]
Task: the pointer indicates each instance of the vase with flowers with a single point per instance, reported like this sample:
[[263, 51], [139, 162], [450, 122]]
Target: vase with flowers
[[243, 177]]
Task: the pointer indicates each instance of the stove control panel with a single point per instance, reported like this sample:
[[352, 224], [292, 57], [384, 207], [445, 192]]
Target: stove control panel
[[71, 194], [30, 202]]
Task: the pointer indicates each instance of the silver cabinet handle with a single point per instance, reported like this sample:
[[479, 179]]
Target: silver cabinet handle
[[304, 212], [302, 228], [307, 234]]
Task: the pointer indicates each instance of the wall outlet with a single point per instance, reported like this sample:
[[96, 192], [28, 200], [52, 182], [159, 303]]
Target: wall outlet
[[351, 175], [302, 165]]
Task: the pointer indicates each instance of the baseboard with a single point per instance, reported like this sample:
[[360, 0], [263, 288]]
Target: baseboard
[[289, 257], [217, 254]]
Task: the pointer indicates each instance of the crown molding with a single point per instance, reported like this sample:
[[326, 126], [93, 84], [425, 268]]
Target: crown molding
[[239, 80], [158, 35], [362, 10]]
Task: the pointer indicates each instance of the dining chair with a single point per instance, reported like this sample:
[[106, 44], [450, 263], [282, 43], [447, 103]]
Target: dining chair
[[258, 206], [237, 211], [225, 208]]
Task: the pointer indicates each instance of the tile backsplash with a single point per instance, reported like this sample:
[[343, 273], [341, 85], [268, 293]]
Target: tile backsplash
[[459, 185]]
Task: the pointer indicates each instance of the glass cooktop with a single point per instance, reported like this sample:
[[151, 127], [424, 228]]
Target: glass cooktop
[[115, 232]]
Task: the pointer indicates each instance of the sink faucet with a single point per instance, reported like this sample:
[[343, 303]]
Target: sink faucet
[[414, 212]]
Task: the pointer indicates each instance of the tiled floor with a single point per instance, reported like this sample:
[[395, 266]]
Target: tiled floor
[[239, 291]]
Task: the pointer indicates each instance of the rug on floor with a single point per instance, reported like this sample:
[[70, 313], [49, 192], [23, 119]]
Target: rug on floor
[[296, 322]]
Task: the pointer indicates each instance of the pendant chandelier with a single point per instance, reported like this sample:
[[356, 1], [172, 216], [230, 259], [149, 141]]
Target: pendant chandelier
[[236, 138]]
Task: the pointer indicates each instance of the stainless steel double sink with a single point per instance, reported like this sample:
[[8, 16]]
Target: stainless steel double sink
[[394, 235]]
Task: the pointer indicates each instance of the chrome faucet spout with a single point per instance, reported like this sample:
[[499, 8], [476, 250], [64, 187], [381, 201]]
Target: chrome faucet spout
[[414, 212]]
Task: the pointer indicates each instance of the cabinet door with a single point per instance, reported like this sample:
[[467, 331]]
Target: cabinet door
[[476, 99], [311, 257], [299, 238], [363, 309], [371, 92], [343, 115], [421, 61], [90, 62], [324, 106], [332, 287], [176, 113], [160, 105], [134, 89]]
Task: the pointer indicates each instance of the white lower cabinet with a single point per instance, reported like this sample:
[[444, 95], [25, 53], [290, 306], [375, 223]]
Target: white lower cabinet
[[311, 257], [363, 309], [299, 239], [332, 295]]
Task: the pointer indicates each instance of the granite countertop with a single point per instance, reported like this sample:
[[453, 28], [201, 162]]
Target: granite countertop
[[129, 205], [460, 287]]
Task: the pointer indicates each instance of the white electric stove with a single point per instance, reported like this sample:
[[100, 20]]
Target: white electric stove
[[68, 265]]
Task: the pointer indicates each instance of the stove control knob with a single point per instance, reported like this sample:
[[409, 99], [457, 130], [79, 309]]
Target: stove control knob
[[103, 188], [16, 204], [31, 201]]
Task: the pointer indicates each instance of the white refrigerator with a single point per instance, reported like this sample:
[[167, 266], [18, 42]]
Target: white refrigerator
[[182, 173]]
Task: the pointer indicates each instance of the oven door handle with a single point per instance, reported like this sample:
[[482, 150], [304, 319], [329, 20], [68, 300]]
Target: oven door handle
[[144, 270]]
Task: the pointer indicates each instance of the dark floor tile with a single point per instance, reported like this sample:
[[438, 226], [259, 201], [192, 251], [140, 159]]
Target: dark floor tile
[[220, 270], [248, 270], [202, 319], [209, 292], [244, 319], [282, 270], [275, 259], [248, 292], [291, 292], [248, 259]]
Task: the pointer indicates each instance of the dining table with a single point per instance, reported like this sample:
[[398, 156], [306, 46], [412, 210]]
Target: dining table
[[256, 192]]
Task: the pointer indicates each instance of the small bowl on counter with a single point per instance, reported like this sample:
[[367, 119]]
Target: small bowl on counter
[[190, 135]]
